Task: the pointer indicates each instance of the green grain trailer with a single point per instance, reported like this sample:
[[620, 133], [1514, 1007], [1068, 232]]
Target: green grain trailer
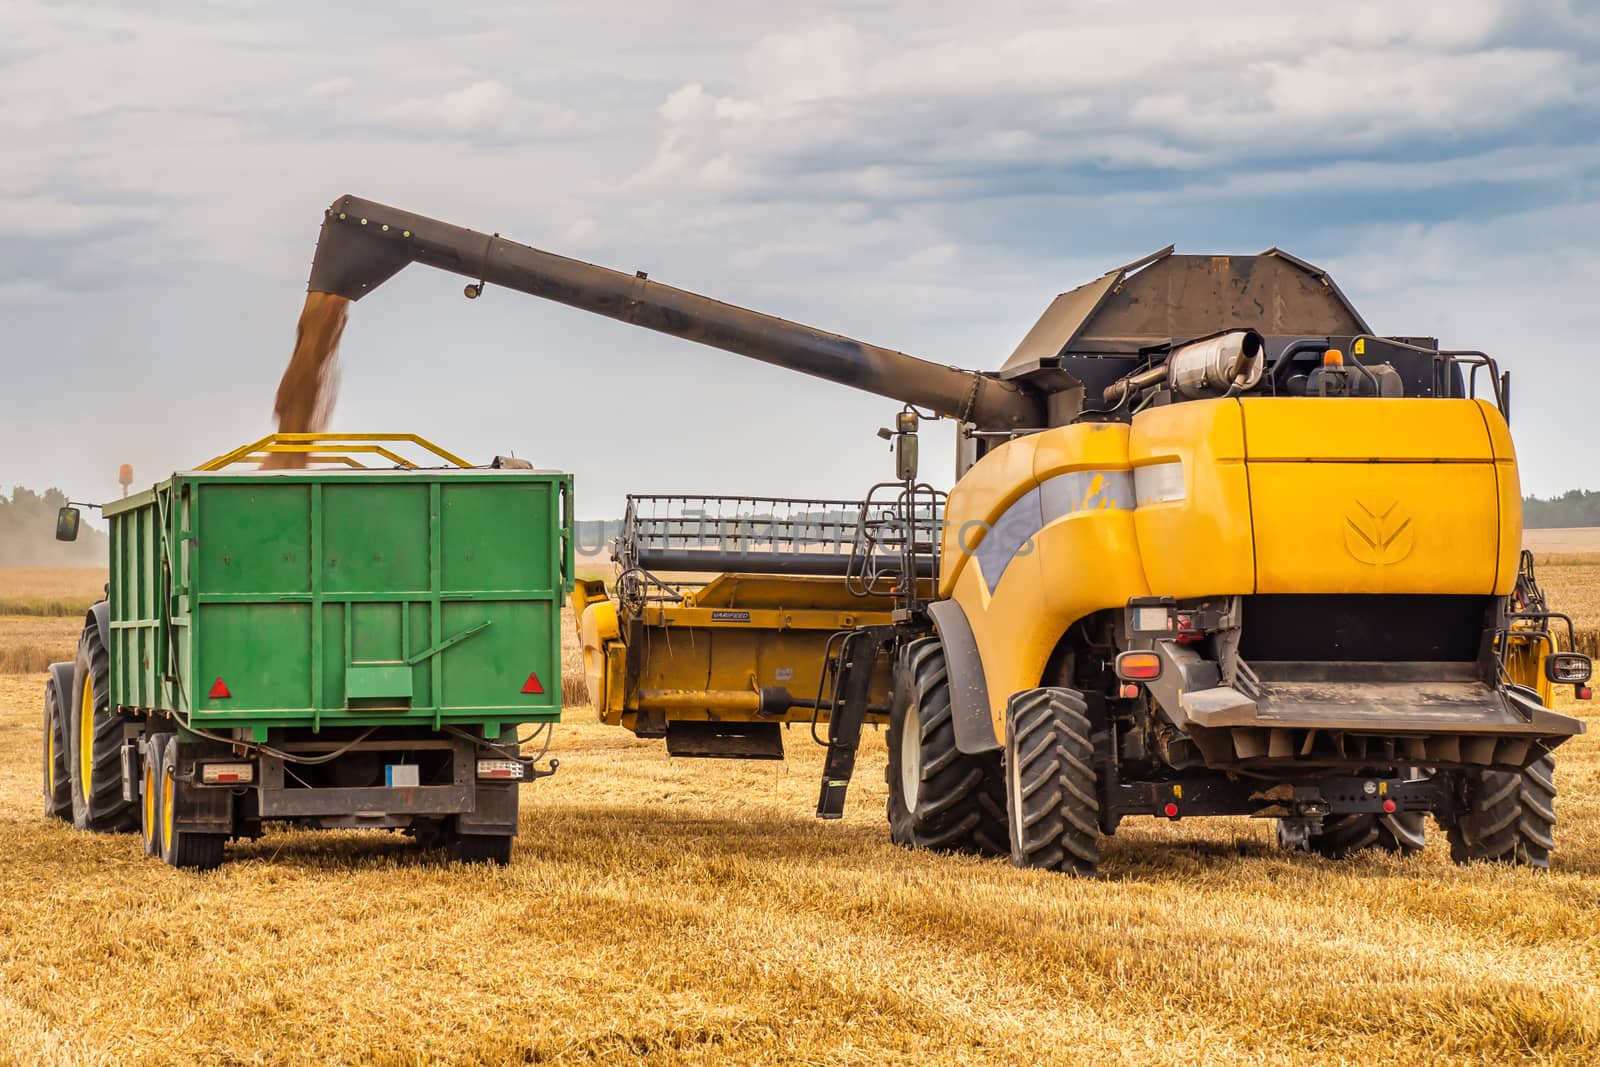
[[350, 647]]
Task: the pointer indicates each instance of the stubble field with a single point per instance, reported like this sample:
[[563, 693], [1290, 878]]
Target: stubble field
[[694, 911]]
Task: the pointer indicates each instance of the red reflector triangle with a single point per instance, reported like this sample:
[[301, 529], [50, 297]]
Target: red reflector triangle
[[532, 684], [219, 690]]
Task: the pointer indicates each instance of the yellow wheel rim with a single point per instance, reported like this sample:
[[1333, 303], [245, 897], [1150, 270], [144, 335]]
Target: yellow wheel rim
[[86, 738], [149, 804], [166, 812]]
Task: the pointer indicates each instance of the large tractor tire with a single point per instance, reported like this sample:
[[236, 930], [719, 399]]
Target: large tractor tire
[[1342, 836], [150, 809], [95, 754], [939, 797], [57, 775], [1052, 789], [493, 849], [180, 847], [1508, 817]]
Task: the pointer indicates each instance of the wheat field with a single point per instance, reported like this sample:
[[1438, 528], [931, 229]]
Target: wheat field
[[661, 911]]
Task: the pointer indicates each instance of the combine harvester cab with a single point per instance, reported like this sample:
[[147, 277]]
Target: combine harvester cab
[[342, 647], [1214, 548]]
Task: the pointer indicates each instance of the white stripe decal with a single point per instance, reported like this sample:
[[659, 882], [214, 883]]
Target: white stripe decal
[[1012, 533]]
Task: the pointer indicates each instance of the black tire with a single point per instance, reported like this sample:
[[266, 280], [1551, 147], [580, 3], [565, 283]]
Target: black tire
[[95, 754], [1508, 817], [57, 778], [183, 848], [939, 797], [1052, 789], [151, 813], [480, 848], [1403, 833]]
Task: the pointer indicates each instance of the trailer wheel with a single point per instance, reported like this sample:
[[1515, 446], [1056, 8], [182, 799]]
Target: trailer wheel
[[1403, 833], [57, 776], [150, 810], [480, 848], [1508, 817], [95, 756], [179, 847], [1051, 785], [939, 797]]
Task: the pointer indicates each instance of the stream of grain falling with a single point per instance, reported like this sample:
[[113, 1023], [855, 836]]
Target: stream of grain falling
[[310, 383]]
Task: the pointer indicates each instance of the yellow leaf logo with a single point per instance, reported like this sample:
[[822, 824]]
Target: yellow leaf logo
[[1378, 532]]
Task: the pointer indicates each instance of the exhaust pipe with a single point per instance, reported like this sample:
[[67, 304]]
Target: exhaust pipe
[[1224, 364]]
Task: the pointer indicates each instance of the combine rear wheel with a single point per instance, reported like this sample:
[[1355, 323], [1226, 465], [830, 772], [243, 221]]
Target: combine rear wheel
[[1341, 836], [181, 847], [57, 775], [939, 797], [95, 758], [1507, 817], [1051, 786]]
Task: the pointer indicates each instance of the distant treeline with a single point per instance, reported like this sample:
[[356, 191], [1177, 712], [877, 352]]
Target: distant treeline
[[28, 533], [1576, 507]]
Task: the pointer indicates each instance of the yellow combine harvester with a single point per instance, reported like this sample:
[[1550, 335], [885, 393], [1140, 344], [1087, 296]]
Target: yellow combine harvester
[[1214, 548]]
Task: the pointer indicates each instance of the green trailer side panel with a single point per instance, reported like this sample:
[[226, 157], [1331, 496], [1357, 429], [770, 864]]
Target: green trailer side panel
[[338, 598], [255, 538], [260, 652], [375, 538], [478, 554]]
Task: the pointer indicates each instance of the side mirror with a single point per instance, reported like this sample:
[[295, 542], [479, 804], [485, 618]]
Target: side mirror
[[1568, 668], [67, 521], [905, 457]]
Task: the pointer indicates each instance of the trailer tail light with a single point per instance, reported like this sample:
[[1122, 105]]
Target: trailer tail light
[[507, 769], [1171, 810], [219, 690], [1138, 666], [227, 773], [533, 685], [1389, 807], [1585, 693]]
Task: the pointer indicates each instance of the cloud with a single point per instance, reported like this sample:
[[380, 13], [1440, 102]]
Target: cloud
[[482, 107], [921, 177], [958, 113], [44, 216], [331, 86]]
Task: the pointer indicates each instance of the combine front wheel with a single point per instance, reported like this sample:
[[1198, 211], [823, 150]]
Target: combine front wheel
[[1051, 784], [1507, 817], [939, 797]]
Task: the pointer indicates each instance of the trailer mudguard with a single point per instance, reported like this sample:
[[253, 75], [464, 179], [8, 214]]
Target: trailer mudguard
[[969, 693], [201, 808]]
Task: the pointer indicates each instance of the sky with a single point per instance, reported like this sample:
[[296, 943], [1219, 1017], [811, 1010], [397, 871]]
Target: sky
[[919, 175]]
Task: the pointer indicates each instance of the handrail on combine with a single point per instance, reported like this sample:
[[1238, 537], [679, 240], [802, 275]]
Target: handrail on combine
[[343, 448]]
